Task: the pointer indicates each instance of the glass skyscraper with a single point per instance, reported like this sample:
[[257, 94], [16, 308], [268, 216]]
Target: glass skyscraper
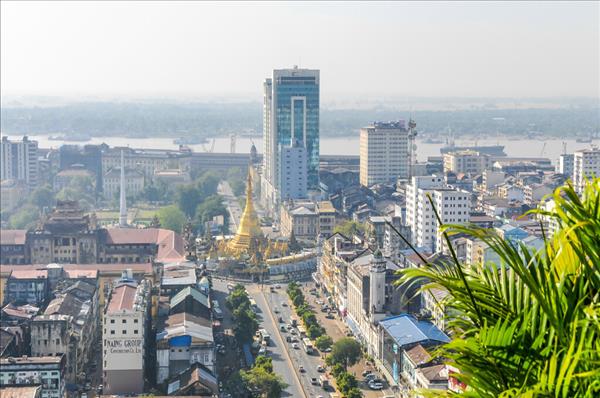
[[291, 119]]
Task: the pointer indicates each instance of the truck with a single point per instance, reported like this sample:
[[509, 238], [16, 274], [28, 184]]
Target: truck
[[294, 321], [324, 381], [302, 330], [264, 335]]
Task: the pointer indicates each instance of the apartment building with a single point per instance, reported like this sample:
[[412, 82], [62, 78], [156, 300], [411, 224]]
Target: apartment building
[[19, 161], [467, 161], [586, 164], [384, 152]]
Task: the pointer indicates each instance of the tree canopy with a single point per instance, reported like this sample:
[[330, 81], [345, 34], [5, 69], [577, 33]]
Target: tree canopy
[[261, 380], [171, 217], [346, 351], [349, 228], [528, 326]]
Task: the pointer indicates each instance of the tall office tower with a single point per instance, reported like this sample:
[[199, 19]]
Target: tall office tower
[[19, 161], [586, 165], [290, 120], [294, 170], [384, 153], [452, 205]]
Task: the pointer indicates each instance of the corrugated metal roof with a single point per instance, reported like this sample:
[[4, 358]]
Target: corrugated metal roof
[[190, 291], [406, 329]]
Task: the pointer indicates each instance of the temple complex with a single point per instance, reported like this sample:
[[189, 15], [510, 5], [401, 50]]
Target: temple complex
[[248, 232]]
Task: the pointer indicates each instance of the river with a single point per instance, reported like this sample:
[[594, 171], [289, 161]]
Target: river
[[550, 148]]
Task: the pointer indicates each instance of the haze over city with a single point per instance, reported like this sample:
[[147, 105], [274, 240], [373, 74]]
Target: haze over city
[[183, 50]]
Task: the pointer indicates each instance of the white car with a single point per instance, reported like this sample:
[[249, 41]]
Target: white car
[[295, 346]]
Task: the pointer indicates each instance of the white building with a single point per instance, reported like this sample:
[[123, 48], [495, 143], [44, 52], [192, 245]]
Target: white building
[[467, 161], [124, 338], [491, 179], [384, 153], [565, 164], [134, 182], [452, 205], [586, 164], [19, 161], [293, 177]]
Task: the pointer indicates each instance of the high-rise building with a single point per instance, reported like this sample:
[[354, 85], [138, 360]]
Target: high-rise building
[[565, 164], [19, 161], [586, 165], [290, 120], [452, 205], [384, 152]]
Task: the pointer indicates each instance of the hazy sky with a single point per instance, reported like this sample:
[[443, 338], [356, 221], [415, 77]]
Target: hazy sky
[[397, 49]]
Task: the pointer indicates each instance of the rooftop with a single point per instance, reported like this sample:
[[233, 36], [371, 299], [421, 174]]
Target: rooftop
[[194, 293], [20, 391], [12, 236], [24, 360], [75, 270], [170, 244], [406, 330], [122, 298], [29, 274]]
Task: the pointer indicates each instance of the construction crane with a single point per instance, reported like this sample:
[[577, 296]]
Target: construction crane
[[543, 149]]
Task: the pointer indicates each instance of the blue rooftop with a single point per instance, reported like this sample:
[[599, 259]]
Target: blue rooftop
[[406, 330]]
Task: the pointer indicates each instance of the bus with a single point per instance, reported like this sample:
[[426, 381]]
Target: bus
[[308, 347], [302, 330]]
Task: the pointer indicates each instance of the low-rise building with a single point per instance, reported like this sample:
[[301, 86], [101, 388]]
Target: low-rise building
[[12, 246], [301, 217], [111, 183], [398, 338], [467, 161], [27, 287], [49, 372], [534, 193], [183, 341], [21, 392], [327, 218]]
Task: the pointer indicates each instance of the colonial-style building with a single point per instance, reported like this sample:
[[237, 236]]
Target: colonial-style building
[[69, 236]]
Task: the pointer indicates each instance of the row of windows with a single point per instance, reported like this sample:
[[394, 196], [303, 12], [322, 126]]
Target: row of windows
[[124, 320], [112, 331]]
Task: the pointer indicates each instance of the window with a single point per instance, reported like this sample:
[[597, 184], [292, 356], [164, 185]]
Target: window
[[124, 331], [124, 321], [112, 321], [112, 332], [135, 331], [135, 321]]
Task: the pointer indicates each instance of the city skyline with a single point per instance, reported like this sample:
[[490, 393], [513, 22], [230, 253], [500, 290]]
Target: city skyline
[[395, 49]]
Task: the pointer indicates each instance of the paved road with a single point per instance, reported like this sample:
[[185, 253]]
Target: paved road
[[283, 364], [298, 356], [231, 202]]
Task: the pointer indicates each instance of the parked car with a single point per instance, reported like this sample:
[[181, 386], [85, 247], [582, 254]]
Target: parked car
[[281, 320], [366, 372], [284, 304], [375, 385], [288, 339], [328, 349], [370, 377], [282, 328], [320, 369], [330, 316]]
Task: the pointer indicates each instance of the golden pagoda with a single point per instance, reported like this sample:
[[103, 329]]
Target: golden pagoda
[[249, 232]]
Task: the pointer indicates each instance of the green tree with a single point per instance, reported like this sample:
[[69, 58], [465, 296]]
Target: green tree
[[261, 381], [349, 228], [245, 324], [323, 342], [237, 297], [346, 351], [171, 217], [298, 300], [336, 368], [211, 207], [314, 331], [354, 393], [207, 184], [346, 382], [42, 197], [529, 325], [187, 198], [25, 218]]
